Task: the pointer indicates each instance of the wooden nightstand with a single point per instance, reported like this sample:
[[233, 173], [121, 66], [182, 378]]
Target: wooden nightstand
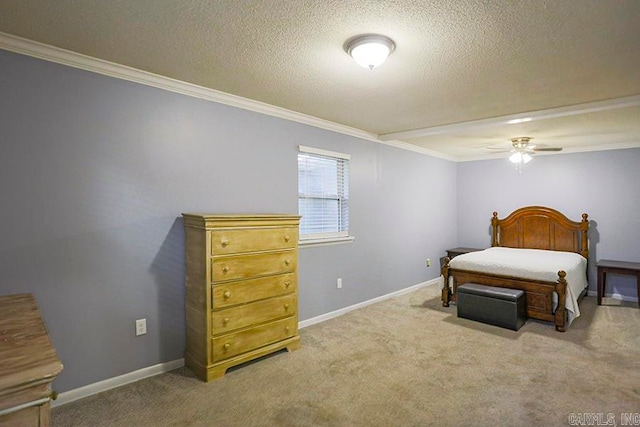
[[452, 253], [616, 267]]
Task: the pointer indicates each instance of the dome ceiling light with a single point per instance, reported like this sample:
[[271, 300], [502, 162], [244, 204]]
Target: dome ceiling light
[[369, 50]]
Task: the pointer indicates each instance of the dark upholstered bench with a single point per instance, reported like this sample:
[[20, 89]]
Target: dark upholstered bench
[[495, 306]]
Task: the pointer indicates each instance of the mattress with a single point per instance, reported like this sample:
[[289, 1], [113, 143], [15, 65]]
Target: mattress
[[535, 264]]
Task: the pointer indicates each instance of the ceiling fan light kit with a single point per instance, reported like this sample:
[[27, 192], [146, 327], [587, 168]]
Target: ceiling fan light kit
[[369, 50], [521, 151], [519, 157]]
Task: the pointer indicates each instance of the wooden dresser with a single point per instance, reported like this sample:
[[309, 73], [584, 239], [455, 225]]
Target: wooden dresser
[[241, 296], [28, 363]]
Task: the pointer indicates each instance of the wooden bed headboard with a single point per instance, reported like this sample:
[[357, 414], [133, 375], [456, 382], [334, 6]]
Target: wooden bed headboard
[[539, 227]]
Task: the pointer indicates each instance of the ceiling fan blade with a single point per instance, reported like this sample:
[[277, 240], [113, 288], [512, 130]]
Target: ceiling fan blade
[[547, 149], [499, 148], [521, 145]]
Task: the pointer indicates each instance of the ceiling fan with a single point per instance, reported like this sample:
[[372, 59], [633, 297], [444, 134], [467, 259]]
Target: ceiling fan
[[523, 149]]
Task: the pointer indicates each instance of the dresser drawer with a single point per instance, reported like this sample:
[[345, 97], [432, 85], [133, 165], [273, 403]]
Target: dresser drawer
[[229, 319], [252, 240], [230, 345], [234, 293], [253, 265]]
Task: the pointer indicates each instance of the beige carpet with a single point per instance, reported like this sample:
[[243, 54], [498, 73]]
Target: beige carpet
[[406, 361]]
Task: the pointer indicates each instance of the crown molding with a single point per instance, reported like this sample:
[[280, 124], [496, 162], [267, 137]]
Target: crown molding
[[550, 113], [77, 60]]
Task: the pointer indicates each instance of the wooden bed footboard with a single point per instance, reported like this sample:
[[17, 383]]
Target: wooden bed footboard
[[538, 294]]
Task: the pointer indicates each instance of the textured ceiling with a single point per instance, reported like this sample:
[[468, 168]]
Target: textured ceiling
[[455, 61]]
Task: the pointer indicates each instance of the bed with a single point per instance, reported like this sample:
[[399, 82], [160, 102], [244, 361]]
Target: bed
[[536, 249]]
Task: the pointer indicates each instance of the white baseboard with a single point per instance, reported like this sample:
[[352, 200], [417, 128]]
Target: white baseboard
[[614, 296], [345, 310], [108, 384]]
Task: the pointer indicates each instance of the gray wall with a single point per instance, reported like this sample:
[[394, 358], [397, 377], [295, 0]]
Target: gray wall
[[401, 213], [94, 175], [604, 184]]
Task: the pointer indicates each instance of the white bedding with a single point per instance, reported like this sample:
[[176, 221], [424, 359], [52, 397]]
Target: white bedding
[[533, 264]]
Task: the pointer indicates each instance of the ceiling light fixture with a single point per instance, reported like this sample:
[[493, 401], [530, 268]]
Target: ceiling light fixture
[[369, 50]]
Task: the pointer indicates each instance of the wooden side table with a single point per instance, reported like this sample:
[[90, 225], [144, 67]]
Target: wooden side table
[[451, 253], [617, 267], [454, 252]]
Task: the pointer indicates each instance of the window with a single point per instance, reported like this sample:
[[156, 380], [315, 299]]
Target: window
[[323, 195]]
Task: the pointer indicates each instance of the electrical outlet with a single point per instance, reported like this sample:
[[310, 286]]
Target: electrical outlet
[[141, 327], [428, 262], [339, 282]]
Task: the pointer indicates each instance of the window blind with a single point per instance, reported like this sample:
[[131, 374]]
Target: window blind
[[323, 193]]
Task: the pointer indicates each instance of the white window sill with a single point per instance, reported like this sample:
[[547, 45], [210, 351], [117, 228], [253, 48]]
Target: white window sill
[[306, 243]]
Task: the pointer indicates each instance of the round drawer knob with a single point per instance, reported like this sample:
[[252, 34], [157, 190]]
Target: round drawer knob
[[225, 268], [286, 306], [286, 329], [224, 242], [227, 294], [286, 238], [287, 284], [226, 346], [225, 320], [287, 262]]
